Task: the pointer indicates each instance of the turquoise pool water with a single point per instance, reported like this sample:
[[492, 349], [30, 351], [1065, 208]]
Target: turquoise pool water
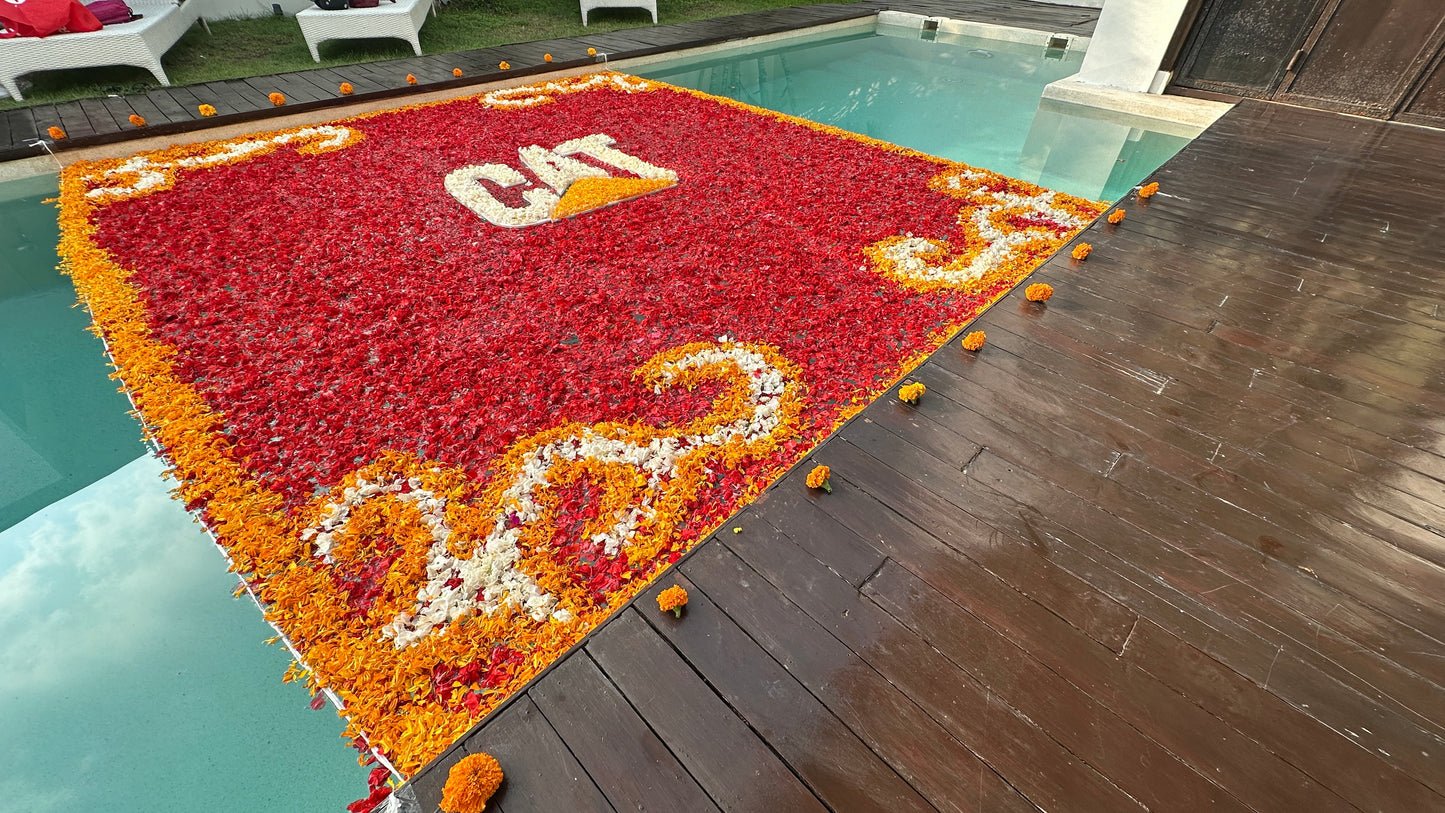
[[130, 680], [962, 98]]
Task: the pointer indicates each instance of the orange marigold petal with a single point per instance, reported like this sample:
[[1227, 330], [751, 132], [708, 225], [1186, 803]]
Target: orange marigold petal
[[671, 599], [975, 340], [1039, 292], [818, 477], [1116, 216], [1082, 251], [470, 783]]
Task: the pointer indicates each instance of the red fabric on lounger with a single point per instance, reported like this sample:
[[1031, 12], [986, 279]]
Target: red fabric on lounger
[[41, 18]]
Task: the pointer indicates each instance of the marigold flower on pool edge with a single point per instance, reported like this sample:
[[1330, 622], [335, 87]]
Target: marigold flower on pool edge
[[546, 57], [206, 110], [818, 478], [911, 392], [672, 600], [1082, 251], [470, 783], [55, 132], [411, 79], [592, 52], [346, 88], [504, 66], [974, 340], [1147, 190], [456, 71], [277, 99], [138, 121], [1039, 292], [1116, 216]]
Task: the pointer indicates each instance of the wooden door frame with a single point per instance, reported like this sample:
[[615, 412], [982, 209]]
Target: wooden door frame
[[1387, 110], [1436, 64], [1196, 24]]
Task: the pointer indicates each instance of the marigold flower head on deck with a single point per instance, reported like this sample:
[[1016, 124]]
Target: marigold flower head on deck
[[1148, 190], [346, 88], [1082, 251], [911, 392], [504, 66], [411, 79], [137, 121], [55, 133], [546, 57], [470, 783], [592, 52], [672, 600], [207, 110], [818, 478], [1116, 216], [1039, 292], [277, 99], [456, 71], [974, 341]]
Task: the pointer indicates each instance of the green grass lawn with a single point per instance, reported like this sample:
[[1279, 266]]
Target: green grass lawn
[[239, 48]]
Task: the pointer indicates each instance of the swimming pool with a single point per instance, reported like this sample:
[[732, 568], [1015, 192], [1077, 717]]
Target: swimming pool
[[959, 97], [152, 675], [130, 679]]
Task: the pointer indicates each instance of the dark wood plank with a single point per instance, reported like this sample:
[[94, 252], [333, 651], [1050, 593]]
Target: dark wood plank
[[715, 746], [1398, 600], [542, 776], [175, 104], [1095, 614], [100, 117], [1352, 766], [631, 766], [1012, 408], [72, 119], [1228, 757], [23, 125], [1255, 653], [902, 732], [1011, 692], [824, 752]]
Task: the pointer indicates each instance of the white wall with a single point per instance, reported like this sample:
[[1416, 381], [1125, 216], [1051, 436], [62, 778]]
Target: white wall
[[1129, 43]]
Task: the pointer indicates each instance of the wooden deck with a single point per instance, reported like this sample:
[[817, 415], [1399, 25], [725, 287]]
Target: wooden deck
[[1172, 541], [175, 109]]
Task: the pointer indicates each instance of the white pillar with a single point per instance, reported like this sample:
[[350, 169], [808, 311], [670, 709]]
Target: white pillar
[[1129, 42]]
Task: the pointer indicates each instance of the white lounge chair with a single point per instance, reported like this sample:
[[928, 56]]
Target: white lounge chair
[[401, 19], [588, 5], [139, 42]]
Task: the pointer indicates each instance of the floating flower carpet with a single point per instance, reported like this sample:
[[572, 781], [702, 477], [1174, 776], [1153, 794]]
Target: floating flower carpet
[[451, 383]]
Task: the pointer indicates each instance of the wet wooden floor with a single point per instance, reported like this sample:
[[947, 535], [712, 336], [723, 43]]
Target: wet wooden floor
[[1170, 542]]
